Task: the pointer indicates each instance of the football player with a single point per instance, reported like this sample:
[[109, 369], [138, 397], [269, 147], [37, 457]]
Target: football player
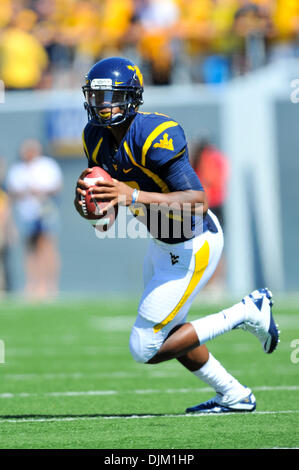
[[147, 156]]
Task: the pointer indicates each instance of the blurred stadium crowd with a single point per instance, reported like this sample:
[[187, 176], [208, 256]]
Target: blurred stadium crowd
[[51, 44]]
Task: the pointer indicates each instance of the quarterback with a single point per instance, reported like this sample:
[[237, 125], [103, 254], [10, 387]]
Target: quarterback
[[147, 156]]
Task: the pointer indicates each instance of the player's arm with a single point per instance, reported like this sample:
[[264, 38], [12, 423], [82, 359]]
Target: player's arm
[[183, 183], [177, 174], [172, 166], [180, 199], [118, 191]]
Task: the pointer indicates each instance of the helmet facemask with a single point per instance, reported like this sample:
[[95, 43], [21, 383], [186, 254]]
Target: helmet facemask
[[101, 103]]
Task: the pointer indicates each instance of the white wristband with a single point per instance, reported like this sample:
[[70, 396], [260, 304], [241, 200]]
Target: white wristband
[[135, 195]]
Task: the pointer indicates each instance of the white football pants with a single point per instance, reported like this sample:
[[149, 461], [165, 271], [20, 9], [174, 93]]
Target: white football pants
[[173, 276]]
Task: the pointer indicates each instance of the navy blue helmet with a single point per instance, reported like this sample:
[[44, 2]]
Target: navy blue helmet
[[110, 83]]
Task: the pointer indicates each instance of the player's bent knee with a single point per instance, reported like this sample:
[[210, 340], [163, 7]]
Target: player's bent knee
[[136, 346], [141, 347]]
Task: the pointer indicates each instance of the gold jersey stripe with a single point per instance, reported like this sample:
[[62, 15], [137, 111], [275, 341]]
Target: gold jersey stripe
[[95, 152], [201, 262], [162, 185], [153, 135], [84, 145], [179, 154]]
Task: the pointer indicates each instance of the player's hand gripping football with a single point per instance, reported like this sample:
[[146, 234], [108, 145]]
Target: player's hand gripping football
[[81, 188], [114, 191]]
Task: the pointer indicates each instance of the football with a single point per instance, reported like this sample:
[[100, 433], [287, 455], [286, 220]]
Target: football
[[95, 210]]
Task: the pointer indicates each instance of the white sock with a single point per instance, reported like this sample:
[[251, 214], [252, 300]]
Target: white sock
[[217, 377], [211, 326]]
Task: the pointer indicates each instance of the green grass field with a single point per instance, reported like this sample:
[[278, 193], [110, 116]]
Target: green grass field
[[69, 382]]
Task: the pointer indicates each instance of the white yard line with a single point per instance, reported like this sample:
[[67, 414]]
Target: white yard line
[[82, 375], [76, 393], [89, 418]]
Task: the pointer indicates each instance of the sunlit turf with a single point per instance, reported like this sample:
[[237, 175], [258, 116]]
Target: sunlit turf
[[69, 381]]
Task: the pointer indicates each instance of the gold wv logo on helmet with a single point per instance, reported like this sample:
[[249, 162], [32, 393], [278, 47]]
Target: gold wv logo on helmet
[[138, 73]]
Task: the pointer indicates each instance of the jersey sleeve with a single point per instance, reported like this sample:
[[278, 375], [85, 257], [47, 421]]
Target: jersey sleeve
[[166, 143], [179, 175], [166, 154]]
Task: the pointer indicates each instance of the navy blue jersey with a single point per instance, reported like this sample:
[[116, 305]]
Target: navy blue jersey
[[153, 156]]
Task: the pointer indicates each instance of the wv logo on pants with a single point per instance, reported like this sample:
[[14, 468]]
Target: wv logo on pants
[[174, 259]]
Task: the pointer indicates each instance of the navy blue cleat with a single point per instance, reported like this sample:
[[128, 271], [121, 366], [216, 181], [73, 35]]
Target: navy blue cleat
[[260, 321], [220, 404]]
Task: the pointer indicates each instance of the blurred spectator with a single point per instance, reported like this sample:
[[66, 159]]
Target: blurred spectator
[[55, 42], [152, 27], [286, 19], [22, 57], [7, 233], [212, 168], [204, 29], [285, 15], [34, 184], [252, 26]]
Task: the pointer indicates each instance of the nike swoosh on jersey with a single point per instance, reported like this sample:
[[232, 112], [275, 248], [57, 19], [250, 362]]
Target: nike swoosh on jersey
[[127, 171]]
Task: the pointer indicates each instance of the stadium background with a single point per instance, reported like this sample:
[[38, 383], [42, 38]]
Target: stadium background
[[226, 69], [223, 68]]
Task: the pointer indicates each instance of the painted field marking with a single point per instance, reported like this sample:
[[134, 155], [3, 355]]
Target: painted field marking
[[76, 393], [82, 375], [89, 418]]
